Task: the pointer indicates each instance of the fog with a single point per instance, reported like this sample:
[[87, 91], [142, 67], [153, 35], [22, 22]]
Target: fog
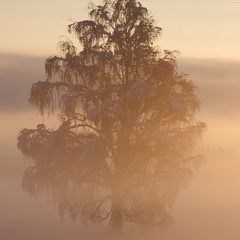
[[207, 209]]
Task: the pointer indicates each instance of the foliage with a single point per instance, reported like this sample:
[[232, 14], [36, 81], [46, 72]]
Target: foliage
[[128, 129]]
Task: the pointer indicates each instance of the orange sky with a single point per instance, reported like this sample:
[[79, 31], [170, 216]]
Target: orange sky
[[196, 28]]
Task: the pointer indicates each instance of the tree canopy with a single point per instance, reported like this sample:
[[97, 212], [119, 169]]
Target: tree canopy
[[128, 129]]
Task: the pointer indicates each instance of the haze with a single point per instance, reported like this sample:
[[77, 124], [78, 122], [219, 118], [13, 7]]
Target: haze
[[207, 34]]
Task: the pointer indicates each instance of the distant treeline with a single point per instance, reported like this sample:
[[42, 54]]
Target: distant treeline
[[212, 151]]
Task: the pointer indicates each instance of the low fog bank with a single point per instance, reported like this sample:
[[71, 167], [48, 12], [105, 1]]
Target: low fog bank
[[218, 84], [25, 218], [217, 81], [218, 89], [17, 74], [208, 208]]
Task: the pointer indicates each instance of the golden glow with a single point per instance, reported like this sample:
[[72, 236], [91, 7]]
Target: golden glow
[[197, 29], [205, 33]]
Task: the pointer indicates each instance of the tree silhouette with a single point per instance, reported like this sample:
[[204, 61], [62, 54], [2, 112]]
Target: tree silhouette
[[128, 127]]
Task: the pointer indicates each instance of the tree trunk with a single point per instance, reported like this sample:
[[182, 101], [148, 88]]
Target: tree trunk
[[116, 218]]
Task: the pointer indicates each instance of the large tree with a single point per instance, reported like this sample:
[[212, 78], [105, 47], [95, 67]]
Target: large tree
[[128, 127]]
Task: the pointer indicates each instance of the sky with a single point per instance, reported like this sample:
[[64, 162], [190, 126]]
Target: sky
[[196, 28], [208, 37]]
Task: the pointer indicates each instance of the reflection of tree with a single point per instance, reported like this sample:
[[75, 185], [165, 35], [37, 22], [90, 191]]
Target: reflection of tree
[[123, 148]]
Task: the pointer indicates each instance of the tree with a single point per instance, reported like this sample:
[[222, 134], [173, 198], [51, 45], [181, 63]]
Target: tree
[[128, 127]]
